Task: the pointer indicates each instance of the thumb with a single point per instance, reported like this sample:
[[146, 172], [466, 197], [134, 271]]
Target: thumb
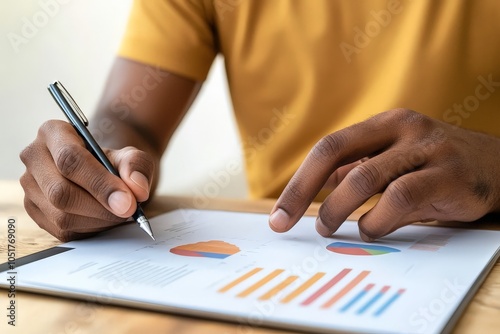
[[136, 169]]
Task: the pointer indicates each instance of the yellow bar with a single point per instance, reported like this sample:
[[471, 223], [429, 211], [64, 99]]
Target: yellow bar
[[346, 289], [278, 288], [306, 285], [260, 283], [240, 279]]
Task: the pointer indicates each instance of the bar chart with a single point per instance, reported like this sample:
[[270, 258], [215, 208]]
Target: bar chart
[[346, 291], [230, 266]]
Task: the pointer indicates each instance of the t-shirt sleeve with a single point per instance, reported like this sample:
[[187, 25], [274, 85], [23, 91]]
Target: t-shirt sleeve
[[175, 35]]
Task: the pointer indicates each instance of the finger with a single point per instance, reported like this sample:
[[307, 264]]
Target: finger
[[341, 172], [63, 220], [331, 152], [403, 202], [76, 163], [136, 169], [39, 217], [32, 191], [63, 235], [43, 182], [366, 238], [361, 183]]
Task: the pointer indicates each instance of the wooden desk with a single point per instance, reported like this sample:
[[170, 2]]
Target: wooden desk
[[46, 314]]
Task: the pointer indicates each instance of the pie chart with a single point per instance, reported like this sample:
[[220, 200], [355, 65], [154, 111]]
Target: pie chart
[[359, 249], [215, 249]]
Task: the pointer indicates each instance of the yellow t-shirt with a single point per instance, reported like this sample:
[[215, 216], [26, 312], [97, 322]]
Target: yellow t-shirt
[[299, 70]]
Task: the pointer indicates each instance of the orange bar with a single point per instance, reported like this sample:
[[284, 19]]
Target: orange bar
[[278, 288], [346, 289], [306, 285], [260, 283], [240, 279]]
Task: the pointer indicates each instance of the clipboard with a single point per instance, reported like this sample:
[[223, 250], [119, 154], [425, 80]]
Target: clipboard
[[231, 266]]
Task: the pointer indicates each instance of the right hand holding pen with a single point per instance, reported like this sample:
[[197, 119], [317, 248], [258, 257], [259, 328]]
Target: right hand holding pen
[[70, 194]]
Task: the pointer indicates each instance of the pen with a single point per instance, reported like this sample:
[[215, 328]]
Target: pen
[[80, 123]]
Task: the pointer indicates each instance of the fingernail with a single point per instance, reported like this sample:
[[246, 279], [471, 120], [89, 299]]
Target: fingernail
[[322, 229], [119, 202], [279, 220], [141, 180]]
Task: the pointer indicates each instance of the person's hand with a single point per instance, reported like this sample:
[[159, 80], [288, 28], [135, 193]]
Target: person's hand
[[70, 194], [424, 168]]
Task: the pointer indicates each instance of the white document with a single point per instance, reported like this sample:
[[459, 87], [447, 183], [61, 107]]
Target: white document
[[231, 266]]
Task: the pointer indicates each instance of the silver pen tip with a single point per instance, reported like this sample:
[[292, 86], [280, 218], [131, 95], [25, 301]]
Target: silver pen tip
[[144, 225]]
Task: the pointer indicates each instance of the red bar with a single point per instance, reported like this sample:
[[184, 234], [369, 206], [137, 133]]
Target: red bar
[[326, 287], [346, 289]]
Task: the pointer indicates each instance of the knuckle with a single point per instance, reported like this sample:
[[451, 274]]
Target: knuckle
[[63, 236], [365, 179], [58, 194], [413, 119], [401, 196], [99, 185], [30, 208], [24, 181], [68, 160], [28, 153], [46, 128], [58, 227], [35, 213], [295, 194], [63, 223], [328, 147], [49, 127], [405, 114], [142, 161]]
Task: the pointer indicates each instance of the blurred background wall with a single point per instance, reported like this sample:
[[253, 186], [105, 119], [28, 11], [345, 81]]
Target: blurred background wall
[[75, 42]]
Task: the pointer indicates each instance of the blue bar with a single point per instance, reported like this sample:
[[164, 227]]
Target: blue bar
[[356, 298], [388, 303], [370, 303]]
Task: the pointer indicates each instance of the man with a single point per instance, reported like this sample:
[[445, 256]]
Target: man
[[305, 77]]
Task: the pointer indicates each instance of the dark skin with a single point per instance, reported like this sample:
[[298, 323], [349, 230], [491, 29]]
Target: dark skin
[[67, 191], [425, 169]]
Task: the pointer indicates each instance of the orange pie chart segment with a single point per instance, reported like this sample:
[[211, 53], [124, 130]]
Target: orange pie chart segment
[[215, 249]]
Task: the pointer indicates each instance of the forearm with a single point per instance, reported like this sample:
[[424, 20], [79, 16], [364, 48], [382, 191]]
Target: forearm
[[141, 106]]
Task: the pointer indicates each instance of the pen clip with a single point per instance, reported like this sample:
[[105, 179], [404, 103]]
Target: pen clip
[[67, 96]]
